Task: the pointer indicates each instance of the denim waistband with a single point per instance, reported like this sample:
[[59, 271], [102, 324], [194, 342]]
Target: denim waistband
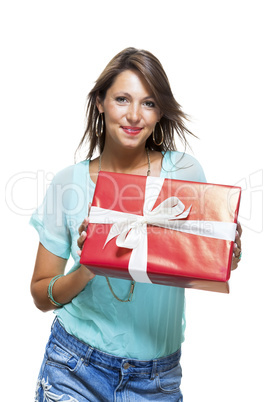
[[88, 353]]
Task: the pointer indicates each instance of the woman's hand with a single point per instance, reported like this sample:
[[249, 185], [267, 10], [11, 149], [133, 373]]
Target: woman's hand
[[237, 248], [82, 230], [82, 235]]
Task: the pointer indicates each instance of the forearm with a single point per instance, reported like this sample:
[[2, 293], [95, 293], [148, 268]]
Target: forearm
[[64, 289]]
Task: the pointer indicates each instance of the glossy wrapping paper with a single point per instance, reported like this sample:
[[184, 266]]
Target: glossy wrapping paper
[[174, 258]]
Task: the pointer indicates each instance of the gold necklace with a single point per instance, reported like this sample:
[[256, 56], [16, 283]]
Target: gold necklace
[[132, 284]]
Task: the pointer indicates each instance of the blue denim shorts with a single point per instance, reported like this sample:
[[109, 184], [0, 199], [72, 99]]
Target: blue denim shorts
[[74, 371]]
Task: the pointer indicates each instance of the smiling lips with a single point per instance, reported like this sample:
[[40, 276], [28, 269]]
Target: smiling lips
[[132, 130]]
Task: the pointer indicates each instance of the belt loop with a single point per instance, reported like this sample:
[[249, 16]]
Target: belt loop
[[154, 370], [88, 355]]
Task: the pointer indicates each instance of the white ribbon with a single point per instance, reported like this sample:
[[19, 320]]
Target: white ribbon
[[131, 229]]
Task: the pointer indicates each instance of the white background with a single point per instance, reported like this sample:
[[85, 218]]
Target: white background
[[215, 55]]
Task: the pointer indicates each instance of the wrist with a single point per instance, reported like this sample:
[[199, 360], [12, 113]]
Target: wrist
[[68, 287], [49, 291], [86, 273]]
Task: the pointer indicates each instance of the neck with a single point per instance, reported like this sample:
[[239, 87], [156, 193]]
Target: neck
[[126, 161]]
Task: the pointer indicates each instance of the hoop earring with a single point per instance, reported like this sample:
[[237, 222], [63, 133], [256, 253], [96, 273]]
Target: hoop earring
[[97, 125], [162, 134]]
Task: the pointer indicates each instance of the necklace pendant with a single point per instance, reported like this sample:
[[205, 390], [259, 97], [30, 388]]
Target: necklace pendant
[[131, 291]]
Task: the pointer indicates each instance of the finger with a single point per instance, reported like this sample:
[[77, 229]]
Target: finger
[[239, 229], [235, 261], [81, 240], [237, 257], [238, 240], [238, 247], [236, 250], [83, 226], [234, 264], [237, 244]]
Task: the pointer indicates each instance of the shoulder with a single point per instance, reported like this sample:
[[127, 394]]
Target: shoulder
[[69, 185], [182, 166], [68, 188], [71, 174], [179, 159]]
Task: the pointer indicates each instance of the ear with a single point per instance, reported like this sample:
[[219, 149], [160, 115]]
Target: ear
[[99, 105]]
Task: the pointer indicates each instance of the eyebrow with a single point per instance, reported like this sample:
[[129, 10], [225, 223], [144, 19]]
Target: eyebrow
[[127, 94]]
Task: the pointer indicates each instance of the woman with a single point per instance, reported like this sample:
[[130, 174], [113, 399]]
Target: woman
[[112, 340]]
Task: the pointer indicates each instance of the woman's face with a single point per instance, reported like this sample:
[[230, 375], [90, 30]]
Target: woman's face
[[130, 111]]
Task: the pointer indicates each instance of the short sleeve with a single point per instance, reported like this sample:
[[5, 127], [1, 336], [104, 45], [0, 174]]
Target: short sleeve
[[182, 166], [50, 218]]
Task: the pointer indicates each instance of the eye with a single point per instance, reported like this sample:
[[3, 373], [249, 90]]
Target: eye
[[121, 99], [149, 104]]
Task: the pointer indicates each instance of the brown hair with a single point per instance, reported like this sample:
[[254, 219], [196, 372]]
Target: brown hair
[[151, 69]]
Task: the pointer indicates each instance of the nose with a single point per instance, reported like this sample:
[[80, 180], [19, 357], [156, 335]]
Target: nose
[[134, 113]]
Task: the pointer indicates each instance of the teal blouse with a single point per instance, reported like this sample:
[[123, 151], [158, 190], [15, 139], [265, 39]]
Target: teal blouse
[[152, 325]]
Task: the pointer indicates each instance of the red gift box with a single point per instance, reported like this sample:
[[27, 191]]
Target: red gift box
[[162, 231]]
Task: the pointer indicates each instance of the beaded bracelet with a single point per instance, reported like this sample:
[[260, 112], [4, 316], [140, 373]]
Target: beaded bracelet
[[49, 291]]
